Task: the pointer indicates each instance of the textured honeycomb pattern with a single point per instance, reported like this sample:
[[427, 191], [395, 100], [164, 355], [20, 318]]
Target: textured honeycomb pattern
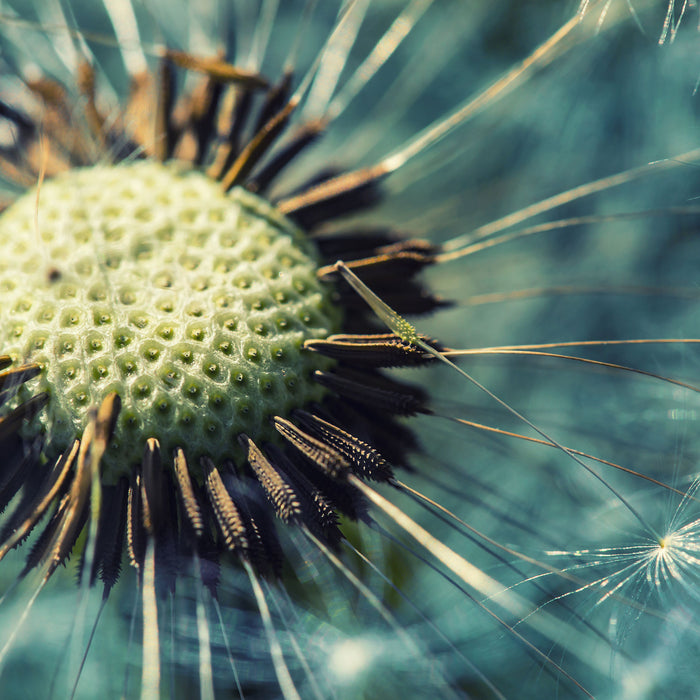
[[192, 304]]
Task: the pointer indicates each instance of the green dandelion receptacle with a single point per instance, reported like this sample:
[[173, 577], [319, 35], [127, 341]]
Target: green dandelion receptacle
[[191, 304]]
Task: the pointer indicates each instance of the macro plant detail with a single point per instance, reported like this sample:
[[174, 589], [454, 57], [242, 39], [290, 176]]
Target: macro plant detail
[[212, 319]]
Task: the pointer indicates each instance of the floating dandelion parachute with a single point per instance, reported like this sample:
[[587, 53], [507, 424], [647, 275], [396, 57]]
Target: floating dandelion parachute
[[228, 404]]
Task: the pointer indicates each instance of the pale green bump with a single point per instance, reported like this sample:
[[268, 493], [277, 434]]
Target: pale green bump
[[192, 304]]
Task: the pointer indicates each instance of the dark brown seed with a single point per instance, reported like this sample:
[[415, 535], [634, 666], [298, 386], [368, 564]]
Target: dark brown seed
[[152, 507], [228, 150], [376, 391], [35, 504], [378, 350], [365, 461], [277, 487], [302, 137], [334, 197], [164, 134], [135, 533], [186, 493], [217, 69], [227, 514], [110, 533], [10, 423], [318, 513]]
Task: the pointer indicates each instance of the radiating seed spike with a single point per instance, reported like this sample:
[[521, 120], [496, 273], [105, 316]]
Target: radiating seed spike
[[40, 547], [335, 197], [226, 511], [110, 534], [389, 316], [380, 350], [86, 85], [135, 533], [275, 100], [264, 550], [107, 416], [186, 493], [21, 121], [355, 243], [318, 513], [73, 522], [404, 296], [336, 493], [279, 490], [229, 148], [76, 510], [398, 399], [364, 459], [59, 121], [152, 488], [32, 508], [139, 111], [148, 458], [257, 147], [13, 467], [322, 455], [204, 108], [217, 69]]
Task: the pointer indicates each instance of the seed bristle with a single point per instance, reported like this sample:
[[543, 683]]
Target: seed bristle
[[375, 390], [325, 457], [163, 129], [301, 138], [279, 490], [365, 461], [185, 491], [217, 69], [135, 532], [377, 350], [152, 489], [18, 375], [256, 148], [227, 514], [10, 423], [319, 514], [111, 531], [334, 197], [34, 504]]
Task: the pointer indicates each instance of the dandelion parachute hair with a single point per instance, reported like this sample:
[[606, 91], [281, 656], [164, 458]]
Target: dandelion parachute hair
[[228, 405]]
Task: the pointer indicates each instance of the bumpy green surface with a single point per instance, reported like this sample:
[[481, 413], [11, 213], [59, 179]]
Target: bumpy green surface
[[193, 305]]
